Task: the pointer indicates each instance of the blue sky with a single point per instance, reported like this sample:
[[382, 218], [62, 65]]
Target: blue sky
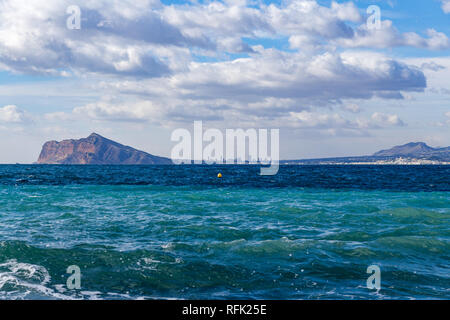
[[137, 70]]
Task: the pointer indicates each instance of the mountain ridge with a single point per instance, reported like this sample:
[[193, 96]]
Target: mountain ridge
[[412, 148], [95, 149], [417, 151]]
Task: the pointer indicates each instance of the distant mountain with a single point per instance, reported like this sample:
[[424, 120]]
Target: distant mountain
[[417, 150], [413, 149], [412, 152], [95, 149]]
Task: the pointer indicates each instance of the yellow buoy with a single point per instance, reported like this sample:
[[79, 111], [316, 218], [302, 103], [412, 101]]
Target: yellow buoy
[[219, 175]]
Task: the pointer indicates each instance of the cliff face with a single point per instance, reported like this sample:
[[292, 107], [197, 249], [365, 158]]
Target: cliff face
[[95, 149]]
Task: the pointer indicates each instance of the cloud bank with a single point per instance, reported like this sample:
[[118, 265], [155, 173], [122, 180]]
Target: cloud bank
[[233, 61]]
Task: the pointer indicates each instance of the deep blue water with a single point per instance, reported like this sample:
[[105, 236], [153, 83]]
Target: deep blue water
[[309, 232]]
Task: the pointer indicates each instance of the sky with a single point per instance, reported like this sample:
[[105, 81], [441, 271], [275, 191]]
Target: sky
[[332, 77]]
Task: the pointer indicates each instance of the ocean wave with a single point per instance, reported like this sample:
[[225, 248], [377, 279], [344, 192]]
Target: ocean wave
[[20, 280], [196, 237]]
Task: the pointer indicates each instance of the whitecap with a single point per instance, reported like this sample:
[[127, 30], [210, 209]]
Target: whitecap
[[23, 280]]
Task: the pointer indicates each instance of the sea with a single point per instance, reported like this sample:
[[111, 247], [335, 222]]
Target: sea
[[180, 232]]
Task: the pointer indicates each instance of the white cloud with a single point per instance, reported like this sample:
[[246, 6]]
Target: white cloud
[[448, 118], [169, 64], [57, 116], [149, 39], [264, 89], [446, 6], [119, 37], [319, 120], [433, 66], [443, 123], [12, 114], [352, 107], [307, 24], [387, 119], [271, 83], [388, 37], [436, 71], [136, 112], [335, 124]]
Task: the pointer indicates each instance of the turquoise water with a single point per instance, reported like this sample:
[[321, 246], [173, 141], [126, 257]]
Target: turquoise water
[[223, 239]]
